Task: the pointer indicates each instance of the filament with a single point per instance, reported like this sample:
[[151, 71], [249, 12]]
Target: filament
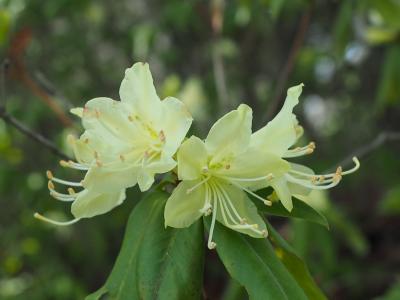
[[43, 218]]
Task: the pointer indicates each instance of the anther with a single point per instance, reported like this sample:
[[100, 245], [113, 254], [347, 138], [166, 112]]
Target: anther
[[98, 163], [50, 185], [255, 226], [264, 233], [49, 175], [130, 118], [227, 166], [86, 141], [122, 158], [97, 113], [212, 245], [64, 163], [268, 202], [71, 191], [161, 136], [208, 212], [204, 169], [312, 145], [96, 155]]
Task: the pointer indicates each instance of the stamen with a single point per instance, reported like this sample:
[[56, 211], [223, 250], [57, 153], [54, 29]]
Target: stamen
[[300, 151], [73, 165], [211, 244], [65, 182], [188, 191], [266, 202], [267, 177], [42, 218], [122, 158], [161, 136], [335, 181]]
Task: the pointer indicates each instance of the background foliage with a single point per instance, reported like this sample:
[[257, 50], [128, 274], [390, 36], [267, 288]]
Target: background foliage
[[213, 55]]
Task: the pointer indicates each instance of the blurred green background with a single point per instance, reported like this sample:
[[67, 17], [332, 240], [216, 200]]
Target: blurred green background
[[213, 55]]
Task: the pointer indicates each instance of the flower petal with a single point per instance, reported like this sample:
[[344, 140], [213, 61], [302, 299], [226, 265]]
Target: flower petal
[[244, 207], [183, 209], [175, 124], [109, 119], [230, 135], [89, 204], [280, 185], [255, 163], [111, 178], [192, 157], [138, 91], [280, 133]]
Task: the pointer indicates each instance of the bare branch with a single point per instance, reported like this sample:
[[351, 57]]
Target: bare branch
[[19, 125], [364, 150]]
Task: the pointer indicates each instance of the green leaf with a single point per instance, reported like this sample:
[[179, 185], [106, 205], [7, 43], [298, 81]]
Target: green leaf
[[390, 204], [301, 210], [156, 262], [388, 88], [295, 265], [253, 263]]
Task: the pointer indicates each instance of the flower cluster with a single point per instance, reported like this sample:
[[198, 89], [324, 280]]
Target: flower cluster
[[128, 142]]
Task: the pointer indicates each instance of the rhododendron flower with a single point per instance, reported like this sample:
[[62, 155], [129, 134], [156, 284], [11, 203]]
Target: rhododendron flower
[[276, 138], [125, 143], [218, 173]]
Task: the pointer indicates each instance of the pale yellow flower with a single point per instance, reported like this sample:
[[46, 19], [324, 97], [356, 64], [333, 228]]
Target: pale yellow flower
[[125, 143], [218, 173], [277, 137]]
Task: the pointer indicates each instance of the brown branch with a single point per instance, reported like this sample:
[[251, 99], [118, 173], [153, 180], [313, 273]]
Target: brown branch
[[31, 134], [16, 51], [288, 67], [19, 125]]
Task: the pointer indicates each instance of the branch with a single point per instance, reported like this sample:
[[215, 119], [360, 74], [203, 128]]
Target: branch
[[33, 135], [19, 125], [287, 69], [362, 151], [16, 51]]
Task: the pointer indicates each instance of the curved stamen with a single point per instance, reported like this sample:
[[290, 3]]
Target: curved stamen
[[211, 244], [73, 165], [224, 208], [265, 201], [65, 182], [43, 218], [300, 151], [321, 178], [267, 177], [335, 182], [188, 191]]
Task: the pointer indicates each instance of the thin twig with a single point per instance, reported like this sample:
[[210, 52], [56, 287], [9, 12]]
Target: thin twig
[[19, 125], [362, 151], [33, 135], [287, 69]]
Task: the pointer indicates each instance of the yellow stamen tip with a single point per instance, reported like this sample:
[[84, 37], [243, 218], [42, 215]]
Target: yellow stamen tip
[[49, 174], [267, 202], [50, 185], [212, 245], [64, 163], [71, 191]]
